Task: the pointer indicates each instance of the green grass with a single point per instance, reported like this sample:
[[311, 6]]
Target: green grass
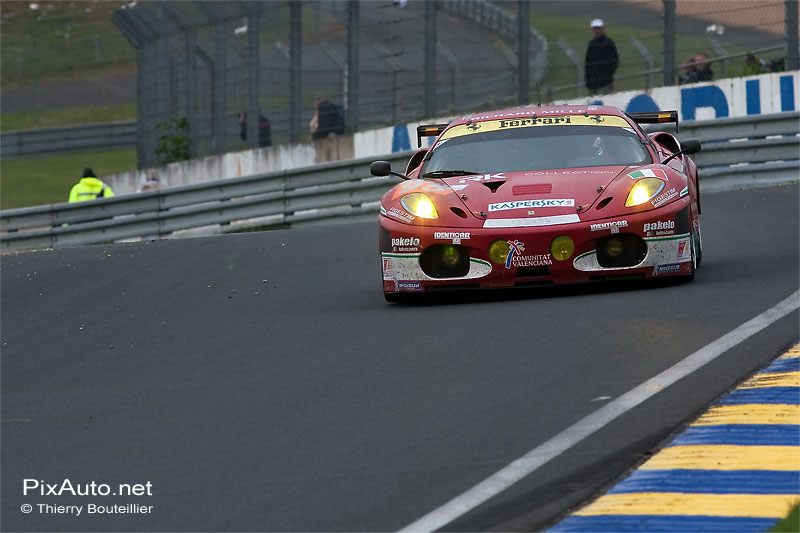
[[68, 116], [61, 41], [43, 180], [790, 524]]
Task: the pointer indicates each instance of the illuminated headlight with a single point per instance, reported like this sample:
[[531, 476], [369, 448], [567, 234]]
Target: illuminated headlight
[[643, 191], [498, 251], [419, 204], [562, 248]]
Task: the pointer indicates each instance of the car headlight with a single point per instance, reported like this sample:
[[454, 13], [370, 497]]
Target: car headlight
[[419, 204], [643, 191]]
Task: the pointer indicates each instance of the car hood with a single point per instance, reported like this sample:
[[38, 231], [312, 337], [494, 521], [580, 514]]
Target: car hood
[[533, 193]]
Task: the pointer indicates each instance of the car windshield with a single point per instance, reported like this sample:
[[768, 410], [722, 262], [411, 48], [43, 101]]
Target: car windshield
[[537, 148]]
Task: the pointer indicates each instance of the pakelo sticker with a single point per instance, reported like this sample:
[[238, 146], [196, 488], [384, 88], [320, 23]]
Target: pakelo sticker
[[662, 227], [528, 204], [405, 244]]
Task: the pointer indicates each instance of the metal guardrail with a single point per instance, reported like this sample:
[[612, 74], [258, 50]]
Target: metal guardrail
[[748, 151], [84, 137]]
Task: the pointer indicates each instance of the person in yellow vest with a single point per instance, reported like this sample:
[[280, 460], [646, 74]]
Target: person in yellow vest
[[89, 188]]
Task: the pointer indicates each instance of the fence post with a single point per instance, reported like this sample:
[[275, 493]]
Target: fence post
[[295, 60], [253, 71], [430, 58], [648, 59], [669, 42], [575, 60], [792, 60], [353, 44], [523, 50]]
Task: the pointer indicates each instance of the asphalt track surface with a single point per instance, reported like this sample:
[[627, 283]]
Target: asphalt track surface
[[260, 382]]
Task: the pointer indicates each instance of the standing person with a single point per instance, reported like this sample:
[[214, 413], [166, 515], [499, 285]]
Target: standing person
[[264, 129], [89, 188], [703, 68], [689, 72], [328, 118], [601, 62]]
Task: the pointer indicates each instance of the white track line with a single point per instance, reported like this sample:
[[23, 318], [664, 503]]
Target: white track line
[[525, 465]]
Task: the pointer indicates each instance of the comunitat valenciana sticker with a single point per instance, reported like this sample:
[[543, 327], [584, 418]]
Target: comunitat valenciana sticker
[[529, 122]]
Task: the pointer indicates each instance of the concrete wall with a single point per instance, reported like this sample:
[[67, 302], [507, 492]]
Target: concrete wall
[[766, 93]]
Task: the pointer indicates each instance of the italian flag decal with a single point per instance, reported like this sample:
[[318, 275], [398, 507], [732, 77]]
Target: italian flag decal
[[647, 173]]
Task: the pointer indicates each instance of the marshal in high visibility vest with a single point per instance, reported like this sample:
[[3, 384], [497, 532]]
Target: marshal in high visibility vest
[[89, 188]]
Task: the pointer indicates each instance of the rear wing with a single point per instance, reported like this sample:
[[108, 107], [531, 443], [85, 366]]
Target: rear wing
[[656, 117], [429, 130]]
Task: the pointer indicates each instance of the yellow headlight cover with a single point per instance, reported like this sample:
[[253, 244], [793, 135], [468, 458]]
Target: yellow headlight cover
[[643, 190], [419, 204]]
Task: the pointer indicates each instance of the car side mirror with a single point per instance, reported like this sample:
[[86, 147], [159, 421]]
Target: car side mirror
[[689, 146], [383, 168]]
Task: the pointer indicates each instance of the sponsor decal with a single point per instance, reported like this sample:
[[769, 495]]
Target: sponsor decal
[[516, 259], [516, 247], [613, 226], [387, 265], [400, 214], [665, 269], [528, 204], [664, 197], [684, 191], [405, 244], [454, 236], [532, 260], [567, 172], [651, 227], [408, 285], [531, 119], [535, 121], [647, 173], [419, 186], [484, 177], [684, 251]]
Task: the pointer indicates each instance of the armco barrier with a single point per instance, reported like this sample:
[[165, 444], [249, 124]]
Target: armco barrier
[[763, 149], [68, 139]]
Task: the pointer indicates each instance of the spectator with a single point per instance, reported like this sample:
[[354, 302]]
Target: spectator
[[689, 72], [264, 129], [89, 188], [328, 118], [151, 182], [601, 62], [703, 68], [760, 65]]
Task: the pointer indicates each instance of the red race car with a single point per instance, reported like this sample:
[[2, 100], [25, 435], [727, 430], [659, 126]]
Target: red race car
[[541, 195]]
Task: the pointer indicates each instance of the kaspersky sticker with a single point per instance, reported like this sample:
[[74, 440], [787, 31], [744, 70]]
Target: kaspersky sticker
[[647, 173]]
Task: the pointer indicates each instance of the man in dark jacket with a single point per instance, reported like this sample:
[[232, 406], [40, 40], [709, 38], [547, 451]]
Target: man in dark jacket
[[328, 118], [601, 62], [264, 129]]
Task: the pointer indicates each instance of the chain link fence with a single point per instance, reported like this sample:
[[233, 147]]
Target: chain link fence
[[724, 31], [209, 62]]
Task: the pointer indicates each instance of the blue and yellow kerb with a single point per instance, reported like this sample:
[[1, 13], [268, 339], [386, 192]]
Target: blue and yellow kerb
[[736, 468]]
